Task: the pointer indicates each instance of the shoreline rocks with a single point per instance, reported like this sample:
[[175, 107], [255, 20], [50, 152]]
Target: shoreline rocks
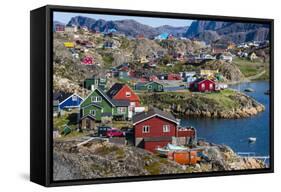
[[233, 114]]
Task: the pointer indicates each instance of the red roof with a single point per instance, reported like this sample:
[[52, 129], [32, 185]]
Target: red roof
[[120, 91]]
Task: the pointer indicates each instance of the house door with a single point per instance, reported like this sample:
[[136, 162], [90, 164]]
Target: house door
[[88, 123]]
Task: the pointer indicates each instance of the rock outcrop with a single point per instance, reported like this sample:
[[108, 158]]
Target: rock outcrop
[[103, 159], [230, 71], [226, 104]]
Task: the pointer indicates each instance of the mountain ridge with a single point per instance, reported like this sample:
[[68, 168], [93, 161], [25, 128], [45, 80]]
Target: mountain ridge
[[230, 31], [129, 27]]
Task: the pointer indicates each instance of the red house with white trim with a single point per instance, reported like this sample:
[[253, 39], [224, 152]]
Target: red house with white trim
[[156, 128], [203, 85], [120, 91]]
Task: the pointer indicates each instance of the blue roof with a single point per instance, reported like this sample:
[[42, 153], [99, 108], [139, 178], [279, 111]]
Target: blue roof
[[112, 30], [163, 36]]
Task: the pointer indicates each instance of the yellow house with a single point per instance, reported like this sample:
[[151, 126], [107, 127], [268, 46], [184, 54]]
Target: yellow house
[[69, 44], [231, 46], [208, 72], [143, 60]]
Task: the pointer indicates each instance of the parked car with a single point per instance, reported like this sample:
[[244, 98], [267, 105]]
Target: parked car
[[115, 133], [102, 130], [127, 130]]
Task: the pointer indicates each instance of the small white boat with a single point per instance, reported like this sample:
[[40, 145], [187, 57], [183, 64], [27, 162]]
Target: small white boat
[[163, 151], [252, 139], [249, 90]]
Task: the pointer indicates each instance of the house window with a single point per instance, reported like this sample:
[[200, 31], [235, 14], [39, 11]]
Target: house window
[[149, 86], [93, 112], [166, 128], [203, 86], [128, 94], [211, 86], [145, 129], [74, 98], [121, 110], [96, 99]]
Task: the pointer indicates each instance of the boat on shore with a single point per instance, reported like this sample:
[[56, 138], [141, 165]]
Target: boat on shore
[[179, 154], [163, 151]]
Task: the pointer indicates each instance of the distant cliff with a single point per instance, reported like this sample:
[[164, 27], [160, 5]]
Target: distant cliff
[[228, 31]]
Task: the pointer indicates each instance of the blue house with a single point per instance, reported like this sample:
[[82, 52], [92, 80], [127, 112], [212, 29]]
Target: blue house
[[162, 36], [67, 100]]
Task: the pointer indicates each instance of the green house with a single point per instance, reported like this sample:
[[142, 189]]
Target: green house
[[150, 87], [95, 82], [98, 105]]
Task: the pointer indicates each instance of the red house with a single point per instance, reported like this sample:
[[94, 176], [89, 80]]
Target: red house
[[120, 91], [173, 76], [140, 36], [203, 85], [87, 60], [156, 128], [153, 78], [59, 28]]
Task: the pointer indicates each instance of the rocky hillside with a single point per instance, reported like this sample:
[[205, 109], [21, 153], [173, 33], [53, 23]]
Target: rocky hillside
[[146, 47], [102, 159], [224, 104], [230, 71], [231, 31]]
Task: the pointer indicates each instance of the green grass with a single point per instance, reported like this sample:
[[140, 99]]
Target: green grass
[[222, 100], [120, 124], [153, 168], [105, 150], [249, 68], [67, 120], [108, 59], [60, 122], [124, 43], [120, 153]]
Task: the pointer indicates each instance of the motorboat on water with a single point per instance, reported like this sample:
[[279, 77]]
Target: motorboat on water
[[252, 139]]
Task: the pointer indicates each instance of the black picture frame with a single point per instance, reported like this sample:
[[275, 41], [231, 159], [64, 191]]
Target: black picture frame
[[41, 94]]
